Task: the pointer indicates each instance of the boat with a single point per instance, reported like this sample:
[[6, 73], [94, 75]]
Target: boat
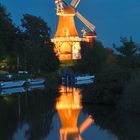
[[14, 90], [35, 81], [84, 82], [34, 87], [12, 84], [84, 77], [77, 79], [9, 91]]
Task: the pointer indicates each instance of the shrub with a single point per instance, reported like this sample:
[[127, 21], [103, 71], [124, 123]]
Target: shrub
[[130, 99], [109, 84]]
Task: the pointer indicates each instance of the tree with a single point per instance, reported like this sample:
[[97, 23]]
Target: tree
[[130, 99], [109, 84], [128, 48], [7, 32], [92, 57], [36, 28], [128, 54], [18, 51], [39, 50]]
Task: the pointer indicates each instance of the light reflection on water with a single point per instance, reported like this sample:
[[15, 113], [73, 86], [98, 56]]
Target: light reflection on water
[[52, 114], [68, 106]]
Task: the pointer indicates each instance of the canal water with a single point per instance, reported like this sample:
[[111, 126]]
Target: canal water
[[48, 113]]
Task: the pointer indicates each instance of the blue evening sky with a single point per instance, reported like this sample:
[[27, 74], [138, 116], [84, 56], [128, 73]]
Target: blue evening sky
[[112, 18]]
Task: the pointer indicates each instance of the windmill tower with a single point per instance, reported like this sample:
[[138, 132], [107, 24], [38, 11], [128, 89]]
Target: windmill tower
[[66, 38]]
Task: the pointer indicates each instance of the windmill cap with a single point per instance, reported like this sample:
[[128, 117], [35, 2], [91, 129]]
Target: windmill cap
[[69, 10]]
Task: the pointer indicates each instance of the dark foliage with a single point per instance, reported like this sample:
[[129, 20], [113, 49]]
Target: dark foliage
[[92, 57], [30, 49], [109, 84], [7, 33]]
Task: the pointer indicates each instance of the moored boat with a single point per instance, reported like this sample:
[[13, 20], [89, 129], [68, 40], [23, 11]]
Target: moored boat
[[84, 77], [12, 84], [9, 91], [84, 82], [34, 87], [35, 81], [77, 79]]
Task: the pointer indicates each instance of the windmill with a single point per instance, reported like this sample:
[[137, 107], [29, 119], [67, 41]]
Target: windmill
[[66, 39]]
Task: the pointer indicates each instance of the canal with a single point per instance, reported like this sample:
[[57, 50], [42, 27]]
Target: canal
[[49, 113]]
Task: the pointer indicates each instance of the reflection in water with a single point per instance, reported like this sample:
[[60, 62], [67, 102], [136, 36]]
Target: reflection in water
[[27, 116], [17, 90], [69, 106], [32, 116], [123, 125]]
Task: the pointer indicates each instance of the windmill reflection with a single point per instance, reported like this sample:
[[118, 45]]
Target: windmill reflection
[[69, 106]]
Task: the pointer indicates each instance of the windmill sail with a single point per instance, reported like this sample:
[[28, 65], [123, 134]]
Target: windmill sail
[[85, 21], [86, 124], [65, 2], [75, 3]]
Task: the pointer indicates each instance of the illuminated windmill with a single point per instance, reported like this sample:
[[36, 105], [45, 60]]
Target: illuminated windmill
[[66, 39]]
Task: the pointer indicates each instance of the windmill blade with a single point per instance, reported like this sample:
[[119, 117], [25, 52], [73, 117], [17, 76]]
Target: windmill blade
[[75, 3], [85, 21], [86, 124], [65, 2]]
